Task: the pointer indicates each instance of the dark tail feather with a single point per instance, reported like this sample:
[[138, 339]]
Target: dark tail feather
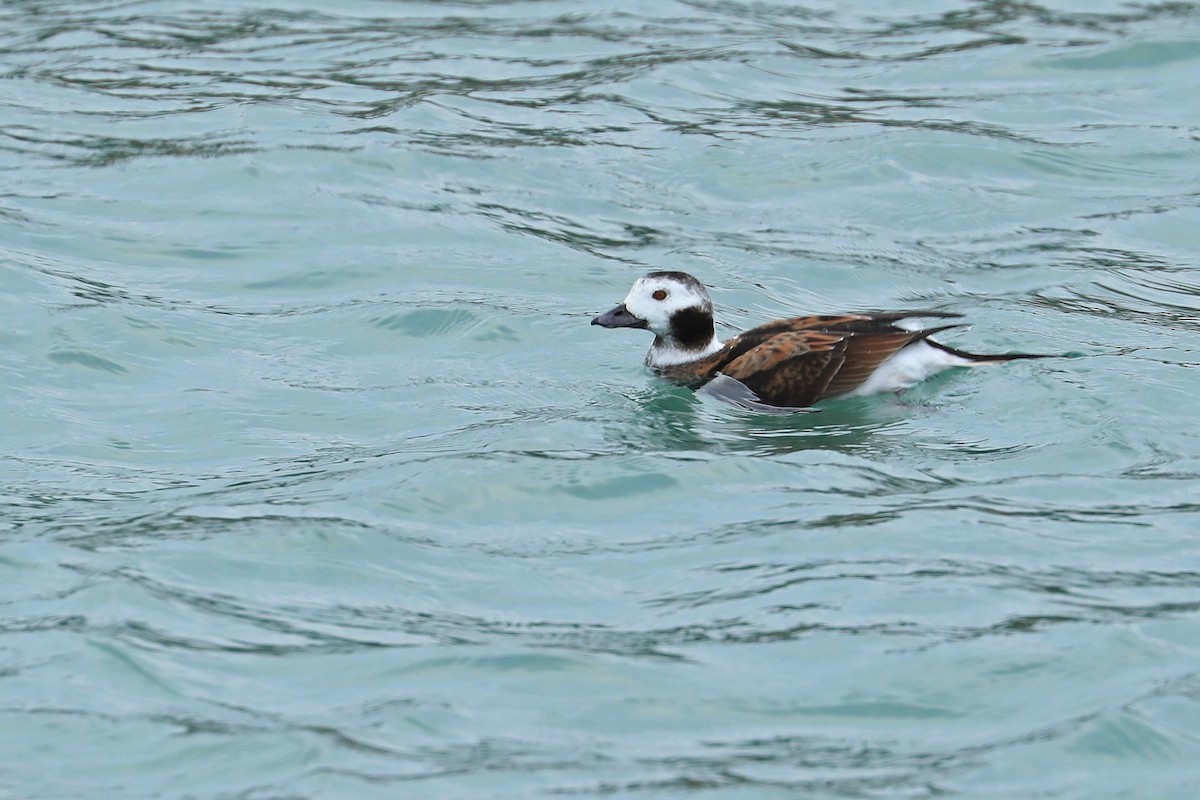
[[925, 333], [980, 357]]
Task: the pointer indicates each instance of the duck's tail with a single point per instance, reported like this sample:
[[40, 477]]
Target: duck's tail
[[983, 358]]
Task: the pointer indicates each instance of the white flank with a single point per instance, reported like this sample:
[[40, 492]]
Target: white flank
[[910, 366]]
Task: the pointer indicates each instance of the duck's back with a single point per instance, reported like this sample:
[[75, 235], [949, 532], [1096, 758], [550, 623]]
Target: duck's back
[[799, 361]]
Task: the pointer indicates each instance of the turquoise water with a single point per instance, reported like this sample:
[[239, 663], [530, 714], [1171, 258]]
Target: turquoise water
[[317, 483]]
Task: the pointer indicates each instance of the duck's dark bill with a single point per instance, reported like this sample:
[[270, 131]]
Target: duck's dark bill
[[619, 317]]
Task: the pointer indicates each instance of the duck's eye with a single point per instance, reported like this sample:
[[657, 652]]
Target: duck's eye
[[659, 294]]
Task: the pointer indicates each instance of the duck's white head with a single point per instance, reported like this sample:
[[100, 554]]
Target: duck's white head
[[676, 308]]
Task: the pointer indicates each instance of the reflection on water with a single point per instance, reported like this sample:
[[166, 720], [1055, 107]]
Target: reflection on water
[[316, 473]]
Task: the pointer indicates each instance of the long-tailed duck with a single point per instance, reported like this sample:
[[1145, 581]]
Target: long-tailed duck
[[787, 364]]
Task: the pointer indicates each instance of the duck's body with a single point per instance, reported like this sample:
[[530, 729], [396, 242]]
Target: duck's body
[[789, 363]]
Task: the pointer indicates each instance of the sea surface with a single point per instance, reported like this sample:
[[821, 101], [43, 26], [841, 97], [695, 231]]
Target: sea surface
[[317, 483]]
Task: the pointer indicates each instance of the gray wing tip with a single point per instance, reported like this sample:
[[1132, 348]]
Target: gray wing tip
[[731, 390]]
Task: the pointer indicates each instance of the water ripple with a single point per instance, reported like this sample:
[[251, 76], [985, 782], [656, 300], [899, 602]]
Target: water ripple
[[315, 471]]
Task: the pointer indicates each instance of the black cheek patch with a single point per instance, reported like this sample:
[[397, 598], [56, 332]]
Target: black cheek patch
[[692, 327]]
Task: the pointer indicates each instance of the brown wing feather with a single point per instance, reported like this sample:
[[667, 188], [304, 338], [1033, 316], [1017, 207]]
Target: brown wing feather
[[791, 368], [802, 360], [874, 322], [864, 353], [870, 340], [772, 351]]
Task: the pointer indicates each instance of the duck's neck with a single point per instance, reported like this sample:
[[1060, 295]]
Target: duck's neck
[[691, 336], [667, 352]]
